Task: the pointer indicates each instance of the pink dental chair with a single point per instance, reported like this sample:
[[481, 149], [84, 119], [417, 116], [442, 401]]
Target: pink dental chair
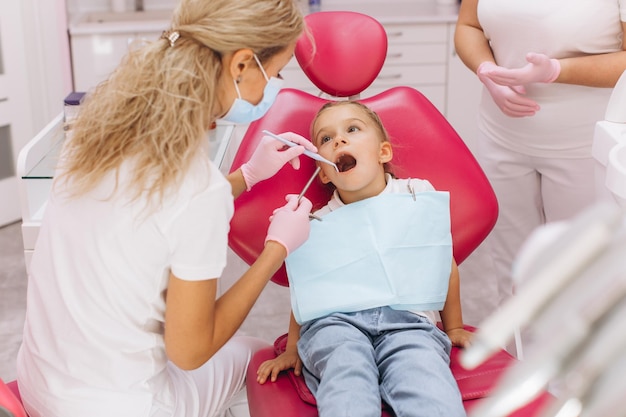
[[10, 401], [348, 53]]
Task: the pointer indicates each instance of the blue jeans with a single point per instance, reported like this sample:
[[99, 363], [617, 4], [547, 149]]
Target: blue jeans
[[352, 361]]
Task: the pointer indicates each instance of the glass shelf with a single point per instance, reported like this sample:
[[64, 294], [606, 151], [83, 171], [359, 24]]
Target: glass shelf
[[44, 169]]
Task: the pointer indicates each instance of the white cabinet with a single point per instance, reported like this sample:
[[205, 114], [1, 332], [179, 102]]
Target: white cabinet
[[416, 57], [95, 56], [295, 78], [99, 41]]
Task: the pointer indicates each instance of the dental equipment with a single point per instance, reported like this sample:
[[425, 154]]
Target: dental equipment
[[589, 234], [308, 153], [607, 396], [569, 347], [609, 135], [585, 369], [306, 187], [582, 347], [308, 183]]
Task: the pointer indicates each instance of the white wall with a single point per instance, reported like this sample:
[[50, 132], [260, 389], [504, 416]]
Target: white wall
[[48, 59]]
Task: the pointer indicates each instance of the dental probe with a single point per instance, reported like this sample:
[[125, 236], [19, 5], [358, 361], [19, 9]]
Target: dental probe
[[306, 187], [307, 152], [308, 183]]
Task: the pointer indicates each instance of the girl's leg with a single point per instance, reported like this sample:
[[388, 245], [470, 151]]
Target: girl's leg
[[414, 368], [339, 367]]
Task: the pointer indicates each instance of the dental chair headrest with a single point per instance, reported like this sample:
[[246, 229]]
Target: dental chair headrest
[[348, 52]]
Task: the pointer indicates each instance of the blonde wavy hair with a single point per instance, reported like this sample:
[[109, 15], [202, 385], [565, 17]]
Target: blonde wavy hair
[[156, 107]]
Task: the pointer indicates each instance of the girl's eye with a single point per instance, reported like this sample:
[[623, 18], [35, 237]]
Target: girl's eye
[[352, 129], [324, 139]]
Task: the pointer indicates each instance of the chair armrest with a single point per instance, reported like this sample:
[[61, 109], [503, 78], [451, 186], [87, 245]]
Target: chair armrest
[[274, 399]]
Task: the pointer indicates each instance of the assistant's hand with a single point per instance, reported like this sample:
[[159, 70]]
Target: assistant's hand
[[540, 69], [271, 155], [510, 99], [290, 224], [271, 368]]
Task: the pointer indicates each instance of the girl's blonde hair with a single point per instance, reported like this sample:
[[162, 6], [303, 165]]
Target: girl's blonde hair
[[157, 106]]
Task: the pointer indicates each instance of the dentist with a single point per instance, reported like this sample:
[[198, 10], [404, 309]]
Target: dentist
[[123, 316], [548, 69]]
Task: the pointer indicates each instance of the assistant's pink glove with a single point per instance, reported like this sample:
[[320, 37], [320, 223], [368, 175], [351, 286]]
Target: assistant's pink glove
[[290, 224], [270, 156], [540, 69], [510, 99]]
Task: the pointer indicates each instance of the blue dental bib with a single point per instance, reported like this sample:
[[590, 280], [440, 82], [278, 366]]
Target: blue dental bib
[[390, 250]]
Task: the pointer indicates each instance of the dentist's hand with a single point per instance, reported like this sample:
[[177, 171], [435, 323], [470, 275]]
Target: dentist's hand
[[540, 69], [270, 156], [290, 224], [510, 99]]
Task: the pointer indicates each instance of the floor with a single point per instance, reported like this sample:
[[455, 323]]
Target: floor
[[268, 319], [12, 297]]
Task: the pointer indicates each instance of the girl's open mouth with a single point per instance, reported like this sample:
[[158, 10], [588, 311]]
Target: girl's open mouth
[[345, 162]]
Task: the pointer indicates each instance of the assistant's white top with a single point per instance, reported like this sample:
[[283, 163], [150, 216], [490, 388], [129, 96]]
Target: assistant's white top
[[564, 125], [394, 185], [93, 340]]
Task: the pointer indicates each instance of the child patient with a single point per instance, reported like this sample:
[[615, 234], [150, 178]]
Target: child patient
[[365, 298]]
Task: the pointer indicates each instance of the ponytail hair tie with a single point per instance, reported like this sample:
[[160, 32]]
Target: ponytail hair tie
[[171, 35]]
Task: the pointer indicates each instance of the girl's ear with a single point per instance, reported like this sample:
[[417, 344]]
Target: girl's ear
[[386, 152]]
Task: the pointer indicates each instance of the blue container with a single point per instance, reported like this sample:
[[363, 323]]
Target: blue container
[[315, 6]]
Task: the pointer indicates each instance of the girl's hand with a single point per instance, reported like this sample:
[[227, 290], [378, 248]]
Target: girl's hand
[[273, 367], [460, 337]]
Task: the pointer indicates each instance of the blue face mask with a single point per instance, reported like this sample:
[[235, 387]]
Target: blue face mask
[[243, 111]]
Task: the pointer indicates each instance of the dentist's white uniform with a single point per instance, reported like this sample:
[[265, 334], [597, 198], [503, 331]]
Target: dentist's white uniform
[[93, 339]]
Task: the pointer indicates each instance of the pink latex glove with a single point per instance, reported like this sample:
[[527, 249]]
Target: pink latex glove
[[270, 156], [510, 99], [540, 69], [290, 224]]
